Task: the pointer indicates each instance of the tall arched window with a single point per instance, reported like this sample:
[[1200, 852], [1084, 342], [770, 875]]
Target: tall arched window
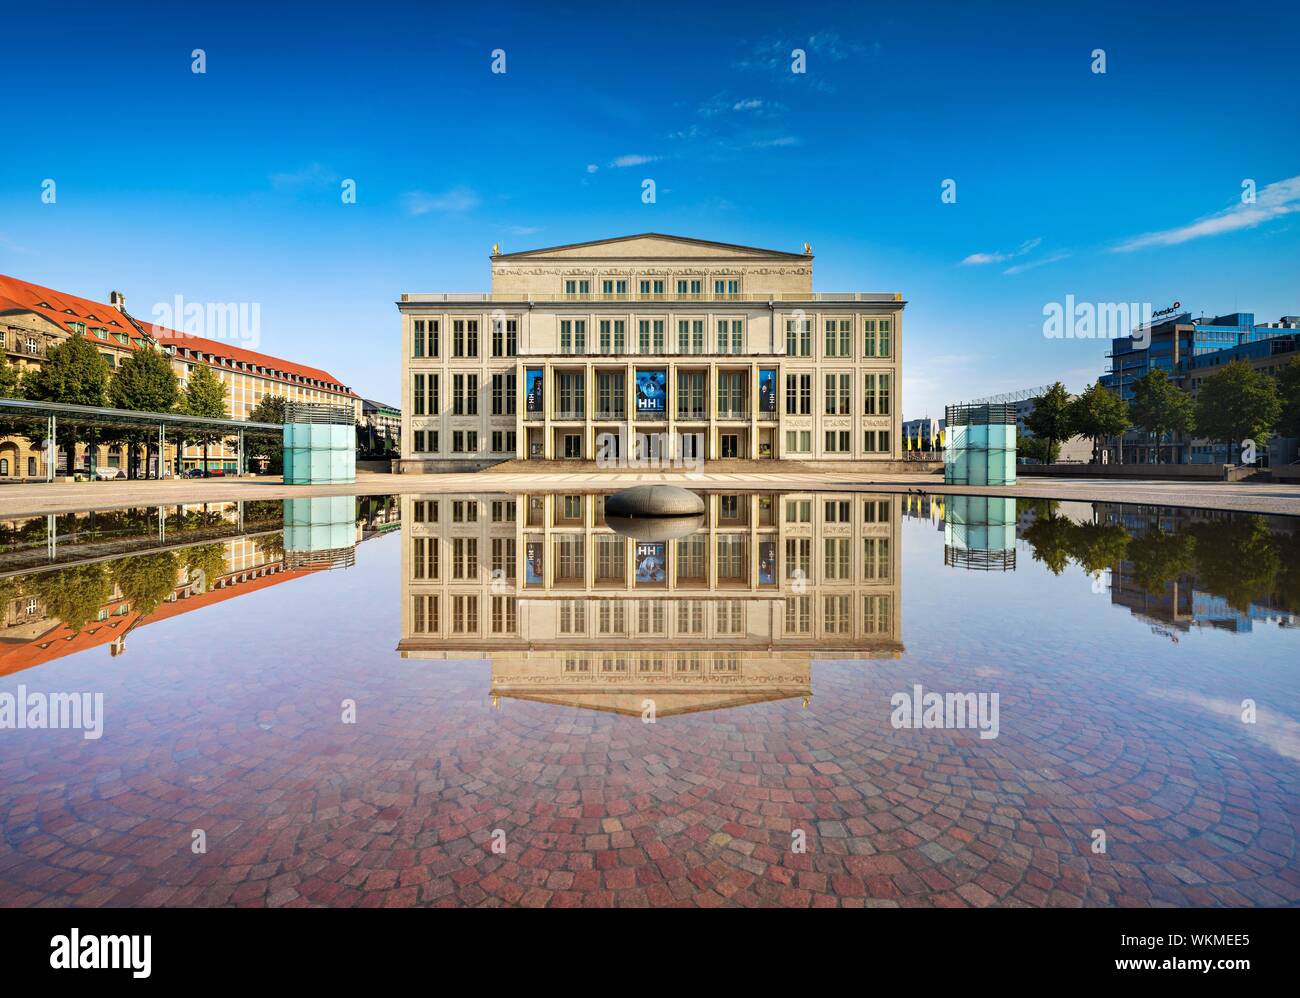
[[4, 466]]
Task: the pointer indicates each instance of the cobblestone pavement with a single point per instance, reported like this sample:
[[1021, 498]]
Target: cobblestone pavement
[[229, 722]]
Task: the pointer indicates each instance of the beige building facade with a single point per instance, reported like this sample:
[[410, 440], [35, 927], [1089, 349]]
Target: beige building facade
[[650, 349], [569, 611]]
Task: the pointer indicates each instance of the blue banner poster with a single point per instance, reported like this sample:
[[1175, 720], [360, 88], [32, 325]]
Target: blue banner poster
[[534, 382], [649, 563], [651, 390], [767, 389]]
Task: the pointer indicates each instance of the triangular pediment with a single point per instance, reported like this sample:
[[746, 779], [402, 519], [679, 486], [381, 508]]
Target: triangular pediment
[[651, 246]]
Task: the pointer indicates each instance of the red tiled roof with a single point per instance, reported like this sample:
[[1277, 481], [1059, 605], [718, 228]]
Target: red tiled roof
[[19, 295], [63, 309]]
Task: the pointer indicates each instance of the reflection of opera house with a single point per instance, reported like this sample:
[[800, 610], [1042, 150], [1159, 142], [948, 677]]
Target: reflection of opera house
[[570, 612]]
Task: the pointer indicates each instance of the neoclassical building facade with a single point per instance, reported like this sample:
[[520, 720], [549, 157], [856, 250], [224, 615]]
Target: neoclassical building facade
[[650, 349]]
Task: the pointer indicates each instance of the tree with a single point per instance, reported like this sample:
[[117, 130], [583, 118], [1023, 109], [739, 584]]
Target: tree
[[1050, 418], [1288, 390], [1048, 536], [144, 382], [1237, 403], [1159, 406], [147, 579], [1236, 559], [74, 595], [1037, 449], [204, 396], [1098, 415], [73, 372], [269, 410]]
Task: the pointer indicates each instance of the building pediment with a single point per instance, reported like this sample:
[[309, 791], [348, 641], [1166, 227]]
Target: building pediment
[[651, 246]]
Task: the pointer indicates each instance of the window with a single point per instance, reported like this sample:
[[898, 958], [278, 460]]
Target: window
[[836, 511], [837, 559], [464, 511], [503, 441], [464, 394], [839, 387], [730, 445], [883, 395], [798, 558], [875, 558], [690, 336], [464, 338], [424, 614], [572, 395], [730, 335], [613, 336], [653, 286], [730, 287], [689, 287], [731, 394], [837, 441], [503, 394], [464, 614], [875, 511], [573, 620], [503, 557], [651, 335], [572, 445], [576, 286], [418, 397], [839, 338], [503, 615], [869, 340], [798, 441], [729, 507], [886, 327], [505, 337], [798, 394], [424, 558], [610, 396], [503, 511], [613, 287], [464, 558], [573, 336], [798, 337], [798, 511], [417, 344]]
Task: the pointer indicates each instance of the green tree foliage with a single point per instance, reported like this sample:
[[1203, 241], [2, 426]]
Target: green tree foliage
[[1050, 418], [74, 595], [1288, 390], [269, 410], [1037, 449], [1159, 557], [1237, 559], [1048, 538], [204, 564], [1160, 407], [1237, 403], [1098, 415], [73, 372], [1097, 546], [147, 579], [204, 395], [144, 382]]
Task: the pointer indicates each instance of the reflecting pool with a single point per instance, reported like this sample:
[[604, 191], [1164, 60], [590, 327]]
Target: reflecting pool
[[813, 699]]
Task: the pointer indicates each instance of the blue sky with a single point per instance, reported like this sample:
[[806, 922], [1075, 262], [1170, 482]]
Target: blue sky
[[225, 186]]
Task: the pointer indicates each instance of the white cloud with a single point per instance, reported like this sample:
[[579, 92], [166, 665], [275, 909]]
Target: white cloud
[[592, 168], [978, 259], [1020, 268], [452, 202], [752, 104], [1275, 200], [631, 159], [780, 141]]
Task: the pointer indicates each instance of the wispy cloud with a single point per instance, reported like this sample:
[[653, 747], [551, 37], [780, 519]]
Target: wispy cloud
[[776, 143], [630, 159], [725, 104], [455, 201], [978, 259], [1275, 200], [592, 168], [8, 244], [1043, 261]]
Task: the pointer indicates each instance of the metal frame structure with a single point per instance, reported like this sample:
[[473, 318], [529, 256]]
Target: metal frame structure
[[104, 417]]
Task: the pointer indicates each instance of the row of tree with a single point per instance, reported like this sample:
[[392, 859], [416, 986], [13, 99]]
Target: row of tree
[[1234, 404], [75, 372]]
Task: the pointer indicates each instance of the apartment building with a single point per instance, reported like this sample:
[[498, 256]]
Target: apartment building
[[34, 318], [650, 348], [569, 611]]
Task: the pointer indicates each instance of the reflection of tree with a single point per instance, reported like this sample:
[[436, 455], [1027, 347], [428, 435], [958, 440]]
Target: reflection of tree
[[1159, 558], [1236, 559], [1096, 546], [73, 595], [147, 579], [270, 546], [1049, 539], [1288, 576], [206, 562]]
